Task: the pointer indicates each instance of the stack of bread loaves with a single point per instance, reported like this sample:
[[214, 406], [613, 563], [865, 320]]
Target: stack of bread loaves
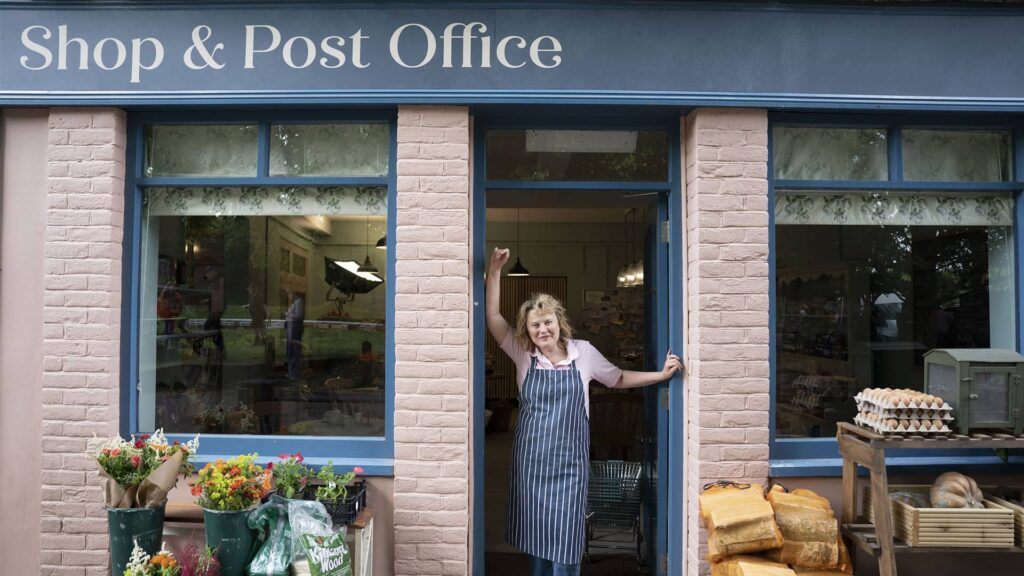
[[885, 410]]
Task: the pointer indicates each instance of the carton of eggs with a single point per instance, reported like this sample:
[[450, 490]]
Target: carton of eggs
[[885, 410]]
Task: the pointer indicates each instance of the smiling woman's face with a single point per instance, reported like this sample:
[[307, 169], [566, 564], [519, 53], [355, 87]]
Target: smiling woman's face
[[542, 325]]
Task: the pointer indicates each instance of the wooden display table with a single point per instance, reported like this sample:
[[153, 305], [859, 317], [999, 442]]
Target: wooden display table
[[862, 446]]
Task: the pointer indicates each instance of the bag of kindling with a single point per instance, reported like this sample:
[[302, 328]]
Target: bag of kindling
[[749, 566], [809, 529], [325, 549], [738, 519]]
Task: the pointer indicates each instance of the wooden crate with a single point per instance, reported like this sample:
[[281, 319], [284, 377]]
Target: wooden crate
[[989, 527], [1018, 517]]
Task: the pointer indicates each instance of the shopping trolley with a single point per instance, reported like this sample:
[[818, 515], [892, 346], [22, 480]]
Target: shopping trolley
[[613, 506]]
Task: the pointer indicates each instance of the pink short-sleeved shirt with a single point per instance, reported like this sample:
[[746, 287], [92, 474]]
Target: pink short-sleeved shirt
[[591, 363]]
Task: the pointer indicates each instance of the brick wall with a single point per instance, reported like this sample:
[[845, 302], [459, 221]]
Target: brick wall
[[432, 342], [81, 332], [726, 153]]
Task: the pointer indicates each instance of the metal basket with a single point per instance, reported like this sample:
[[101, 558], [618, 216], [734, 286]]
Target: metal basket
[[613, 506]]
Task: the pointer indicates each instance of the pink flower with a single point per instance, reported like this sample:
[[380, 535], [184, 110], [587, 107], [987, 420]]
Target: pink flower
[[298, 456], [284, 456], [136, 461], [358, 470]]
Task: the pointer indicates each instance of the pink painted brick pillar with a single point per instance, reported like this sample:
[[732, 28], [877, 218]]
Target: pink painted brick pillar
[[81, 332], [726, 154], [432, 336]]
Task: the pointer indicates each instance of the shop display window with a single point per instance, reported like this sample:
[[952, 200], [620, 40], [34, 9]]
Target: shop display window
[[866, 281], [263, 308]]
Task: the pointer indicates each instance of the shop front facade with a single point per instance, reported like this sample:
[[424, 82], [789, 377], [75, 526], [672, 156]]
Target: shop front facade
[[269, 226]]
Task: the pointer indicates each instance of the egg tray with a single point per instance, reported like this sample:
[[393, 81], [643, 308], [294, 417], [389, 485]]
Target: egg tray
[[883, 426], [945, 413]]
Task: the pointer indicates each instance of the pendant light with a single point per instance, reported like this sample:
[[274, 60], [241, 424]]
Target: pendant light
[[639, 268], [518, 269], [382, 243], [367, 264]]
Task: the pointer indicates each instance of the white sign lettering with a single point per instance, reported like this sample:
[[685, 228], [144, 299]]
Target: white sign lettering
[[414, 45]]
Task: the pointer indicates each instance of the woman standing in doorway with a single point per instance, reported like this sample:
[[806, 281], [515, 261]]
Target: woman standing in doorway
[[551, 452]]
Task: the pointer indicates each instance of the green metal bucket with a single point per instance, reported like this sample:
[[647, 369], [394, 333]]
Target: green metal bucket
[[130, 525], [229, 533]]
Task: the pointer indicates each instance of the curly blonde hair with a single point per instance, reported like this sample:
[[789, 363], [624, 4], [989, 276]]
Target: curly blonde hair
[[547, 303]]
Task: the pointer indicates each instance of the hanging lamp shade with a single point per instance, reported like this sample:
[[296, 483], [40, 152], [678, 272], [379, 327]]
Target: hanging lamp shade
[[367, 266], [382, 244], [639, 273], [518, 269]]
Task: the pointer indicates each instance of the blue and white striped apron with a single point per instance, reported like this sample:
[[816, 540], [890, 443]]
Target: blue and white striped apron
[[547, 495]]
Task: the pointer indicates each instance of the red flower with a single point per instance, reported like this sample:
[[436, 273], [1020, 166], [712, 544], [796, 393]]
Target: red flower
[[139, 443], [270, 465], [358, 470], [115, 452], [144, 437], [176, 443], [136, 461], [298, 456], [284, 456], [234, 471]]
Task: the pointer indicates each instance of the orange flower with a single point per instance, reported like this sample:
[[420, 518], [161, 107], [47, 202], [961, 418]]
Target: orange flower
[[197, 489], [234, 471]]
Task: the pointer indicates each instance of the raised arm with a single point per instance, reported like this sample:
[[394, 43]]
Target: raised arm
[[495, 322], [632, 379]]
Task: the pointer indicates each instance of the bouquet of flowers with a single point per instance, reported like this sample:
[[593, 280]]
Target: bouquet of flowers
[[234, 484], [139, 472], [199, 560], [142, 564], [290, 475]]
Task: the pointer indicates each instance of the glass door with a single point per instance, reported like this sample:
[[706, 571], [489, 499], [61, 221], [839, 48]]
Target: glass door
[[656, 425]]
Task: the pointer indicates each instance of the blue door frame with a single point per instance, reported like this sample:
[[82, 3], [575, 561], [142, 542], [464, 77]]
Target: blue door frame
[[671, 324]]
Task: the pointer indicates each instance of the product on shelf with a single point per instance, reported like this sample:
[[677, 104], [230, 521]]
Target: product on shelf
[[954, 490], [885, 410]]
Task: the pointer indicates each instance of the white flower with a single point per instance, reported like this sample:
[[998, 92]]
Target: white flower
[[137, 562]]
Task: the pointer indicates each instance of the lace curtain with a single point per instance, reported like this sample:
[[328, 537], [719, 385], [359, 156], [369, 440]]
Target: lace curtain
[[265, 200], [889, 208]]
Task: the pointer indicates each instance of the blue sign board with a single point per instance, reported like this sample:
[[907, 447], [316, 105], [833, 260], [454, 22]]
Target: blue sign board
[[672, 52]]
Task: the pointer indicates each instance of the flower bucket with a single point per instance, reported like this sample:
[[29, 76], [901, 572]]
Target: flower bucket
[[229, 533], [129, 525]]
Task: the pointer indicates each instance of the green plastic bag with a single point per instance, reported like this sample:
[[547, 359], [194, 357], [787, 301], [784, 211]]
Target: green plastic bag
[[275, 554], [325, 549]]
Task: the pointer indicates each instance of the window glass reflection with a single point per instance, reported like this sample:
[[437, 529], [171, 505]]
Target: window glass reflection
[[858, 304], [255, 317]]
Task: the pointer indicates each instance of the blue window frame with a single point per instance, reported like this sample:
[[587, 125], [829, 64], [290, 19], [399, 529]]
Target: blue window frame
[[807, 456], [373, 453]]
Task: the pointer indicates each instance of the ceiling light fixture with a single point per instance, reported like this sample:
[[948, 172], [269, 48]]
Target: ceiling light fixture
[[518, 269], [368, 266]]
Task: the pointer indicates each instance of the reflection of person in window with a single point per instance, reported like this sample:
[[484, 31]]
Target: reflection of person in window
[[258, 313], [365, 370], [294, 324]]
